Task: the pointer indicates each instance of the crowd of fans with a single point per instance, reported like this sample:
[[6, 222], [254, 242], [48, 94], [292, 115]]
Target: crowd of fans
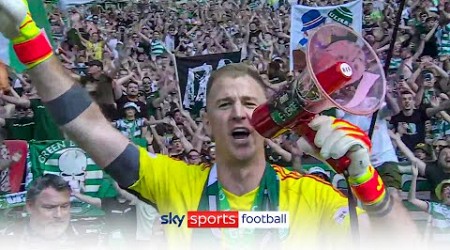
[[124, 56]]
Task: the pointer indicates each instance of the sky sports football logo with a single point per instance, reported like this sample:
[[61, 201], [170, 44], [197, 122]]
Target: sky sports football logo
[[228, 219]]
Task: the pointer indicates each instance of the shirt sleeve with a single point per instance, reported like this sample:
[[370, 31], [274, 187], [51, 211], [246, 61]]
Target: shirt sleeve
[[162, 178], [431, 174], [119, 104], [394, 122]]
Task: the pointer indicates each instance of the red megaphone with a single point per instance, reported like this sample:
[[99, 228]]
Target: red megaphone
[[341, 71]]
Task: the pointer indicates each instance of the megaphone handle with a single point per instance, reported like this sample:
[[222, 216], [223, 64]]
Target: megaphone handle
[[339, 165]]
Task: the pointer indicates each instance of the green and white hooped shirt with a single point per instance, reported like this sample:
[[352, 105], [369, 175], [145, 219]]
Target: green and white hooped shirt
[[130, 129]]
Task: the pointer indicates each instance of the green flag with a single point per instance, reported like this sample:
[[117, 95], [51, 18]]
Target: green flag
[[67, 160]]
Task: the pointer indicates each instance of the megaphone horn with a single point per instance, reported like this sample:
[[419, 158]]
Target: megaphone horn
[[341, 71]]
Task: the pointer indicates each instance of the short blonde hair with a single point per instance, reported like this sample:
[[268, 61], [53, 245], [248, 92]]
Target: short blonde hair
[[233, 71]]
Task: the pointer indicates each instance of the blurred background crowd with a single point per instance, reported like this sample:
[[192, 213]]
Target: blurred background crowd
[[124, 55]]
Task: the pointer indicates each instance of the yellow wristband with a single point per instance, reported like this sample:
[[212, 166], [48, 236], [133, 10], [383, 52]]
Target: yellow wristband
[[362, 178]]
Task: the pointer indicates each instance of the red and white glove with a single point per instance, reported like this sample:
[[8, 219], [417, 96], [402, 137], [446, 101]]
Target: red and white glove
[[336, 138]]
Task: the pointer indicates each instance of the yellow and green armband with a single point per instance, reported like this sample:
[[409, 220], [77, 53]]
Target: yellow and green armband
[[369, 188], [32, 46]]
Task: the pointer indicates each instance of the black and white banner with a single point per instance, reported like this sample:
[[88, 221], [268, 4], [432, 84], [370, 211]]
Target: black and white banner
[[193, 74]]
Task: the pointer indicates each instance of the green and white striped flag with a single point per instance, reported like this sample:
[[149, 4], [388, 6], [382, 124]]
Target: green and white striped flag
[[39, 15], [67, 160]]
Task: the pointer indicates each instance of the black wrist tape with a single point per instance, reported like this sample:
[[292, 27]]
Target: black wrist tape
[[125, 168], [69, 105]]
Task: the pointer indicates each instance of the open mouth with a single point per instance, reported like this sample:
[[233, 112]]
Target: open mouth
[[240, 133]]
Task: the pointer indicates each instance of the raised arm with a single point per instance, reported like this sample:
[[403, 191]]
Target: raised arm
[[21, 102], [392, 104], [412, 80], [178, 133], [287, 156], [419, 95], [85, 125], [443, 82], [82, 40], [422, 205], [247, 29], [192, 30], [159, 140], [230, 39], [65, 58], [407, 152], [118, 85], [148, 40], [419, 50], [124, 194], [296, 153], [198, 138], [431, 32], [217, 43], [445, 105], [434, 102], [187, 116], [386, 214], [88, 199]]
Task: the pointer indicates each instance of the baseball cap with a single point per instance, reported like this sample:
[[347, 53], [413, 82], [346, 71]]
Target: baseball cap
[[131, 105], [318, 170], [422, 146], [438, 189], [95, 63]]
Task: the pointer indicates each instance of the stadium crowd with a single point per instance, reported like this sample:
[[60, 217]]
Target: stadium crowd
[[124, 56]]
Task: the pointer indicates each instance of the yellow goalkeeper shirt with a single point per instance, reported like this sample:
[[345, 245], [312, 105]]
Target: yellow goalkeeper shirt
[[318, 213]]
